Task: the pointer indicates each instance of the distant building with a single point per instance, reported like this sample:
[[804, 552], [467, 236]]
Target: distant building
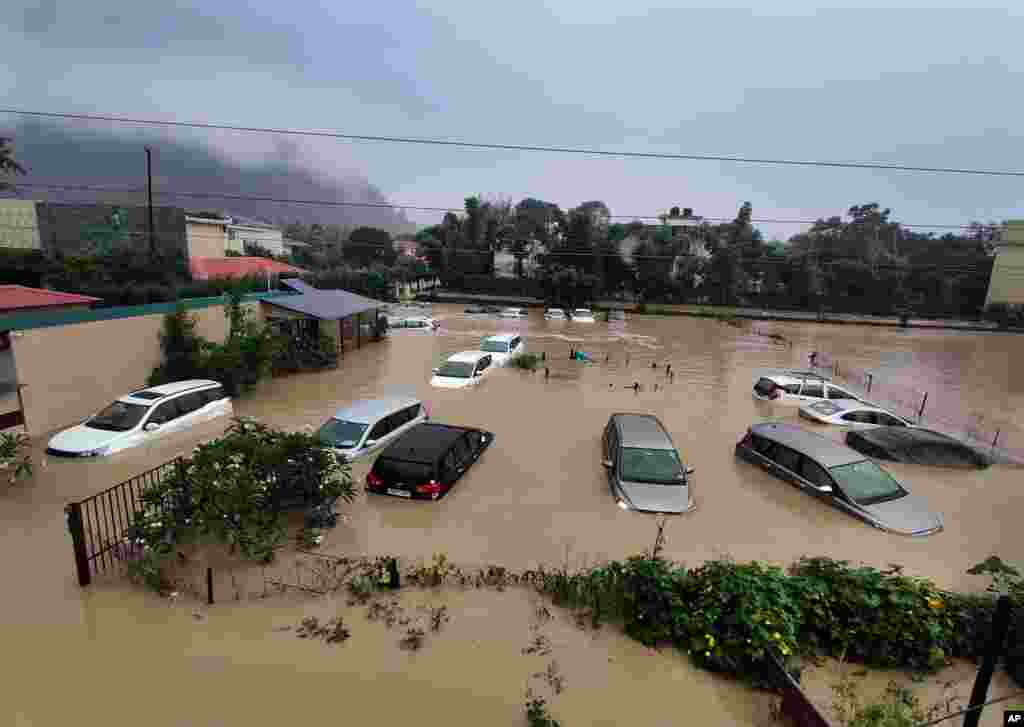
[[1007, 284], [19, 226], [243, 232]]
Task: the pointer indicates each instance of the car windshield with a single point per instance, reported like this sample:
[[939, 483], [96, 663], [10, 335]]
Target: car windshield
[[494, 346], [118, 417], [341, 434], [456, 369], [866, 483], [660, 466]]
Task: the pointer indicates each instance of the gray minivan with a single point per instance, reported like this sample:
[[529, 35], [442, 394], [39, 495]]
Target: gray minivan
[[371, 424], [644, 469], [839, 475]]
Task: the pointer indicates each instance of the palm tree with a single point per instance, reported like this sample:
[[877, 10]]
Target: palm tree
[[8, 165]]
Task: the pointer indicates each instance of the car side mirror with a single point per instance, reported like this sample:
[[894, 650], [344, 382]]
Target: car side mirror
[[689, 470], [369, 443], [152, 427], [478, 373], [607, 463]]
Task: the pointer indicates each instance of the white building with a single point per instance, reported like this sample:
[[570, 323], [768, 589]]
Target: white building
[[206, 236], [242, 233]]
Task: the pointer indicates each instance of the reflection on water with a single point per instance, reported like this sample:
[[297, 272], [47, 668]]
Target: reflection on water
[[538, 495]]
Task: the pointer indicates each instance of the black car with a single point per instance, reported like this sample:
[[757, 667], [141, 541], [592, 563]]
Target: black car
[[915, 445], [427, 461]]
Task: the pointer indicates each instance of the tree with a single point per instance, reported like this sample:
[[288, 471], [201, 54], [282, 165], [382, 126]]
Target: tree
[[368, 245], [8, 165]]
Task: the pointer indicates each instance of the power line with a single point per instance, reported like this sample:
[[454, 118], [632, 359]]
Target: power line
[[398, 206], [520, 147]]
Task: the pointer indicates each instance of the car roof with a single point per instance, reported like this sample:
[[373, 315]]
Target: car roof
[[905, 436], [366, 411], [155, 393], [794, 377], [844, 404], [827, 452], [502, 337], [468, 356], [642, 430], [424, 443]]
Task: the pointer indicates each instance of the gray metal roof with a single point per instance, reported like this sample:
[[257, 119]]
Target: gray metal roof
[[327, 305], [827, 452], [642, 430]]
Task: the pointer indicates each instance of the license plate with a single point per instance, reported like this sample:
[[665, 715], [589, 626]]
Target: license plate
[[399, 493]]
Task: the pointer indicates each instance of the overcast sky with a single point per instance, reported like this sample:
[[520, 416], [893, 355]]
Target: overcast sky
[[934, 86]]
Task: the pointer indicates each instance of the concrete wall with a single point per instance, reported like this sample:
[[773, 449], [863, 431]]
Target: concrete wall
[[19, 226], [1007, 282], [72, 371], [206, 239], [96, 229]]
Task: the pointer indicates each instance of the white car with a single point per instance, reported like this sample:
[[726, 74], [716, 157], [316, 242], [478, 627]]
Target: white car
[[421, 323], [851, 413], [513, 313], [583, 315], [555, 314], [370, 424], [798, 387], [142, 416], [462, 369], [503, 347]]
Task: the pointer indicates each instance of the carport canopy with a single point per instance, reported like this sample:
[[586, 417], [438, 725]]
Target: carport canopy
[[326, 305]]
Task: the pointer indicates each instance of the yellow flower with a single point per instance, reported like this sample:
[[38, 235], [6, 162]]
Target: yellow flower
[[777, 635], [711, 640], [785, 650], [707, 653], [935, 603]]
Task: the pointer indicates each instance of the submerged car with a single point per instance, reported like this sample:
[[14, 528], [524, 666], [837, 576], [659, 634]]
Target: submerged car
[[141, 416], [503, 347], [422, 323], [839, 475], [462, 370], [513, 313], [555, 314], [583, 315], [851, 413], [917, 446], [644, 470], [427, 461], [370, 424], [798, 387]]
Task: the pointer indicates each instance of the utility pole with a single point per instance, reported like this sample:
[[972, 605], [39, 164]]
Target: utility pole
[[149, 192]]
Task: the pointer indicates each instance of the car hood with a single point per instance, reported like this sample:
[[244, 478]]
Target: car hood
[[450, 382], [500, 359], [83, 439], [657, 498], [908, 515]]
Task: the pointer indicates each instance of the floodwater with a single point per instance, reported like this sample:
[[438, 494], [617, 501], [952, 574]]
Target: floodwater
[[537, 496]]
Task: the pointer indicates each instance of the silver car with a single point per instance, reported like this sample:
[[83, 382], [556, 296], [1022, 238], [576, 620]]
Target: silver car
[[839, 475], [644, 469]]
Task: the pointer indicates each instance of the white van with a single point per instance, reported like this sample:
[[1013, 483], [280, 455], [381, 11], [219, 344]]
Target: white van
[[503, 347], [141, 416], [370, 424]]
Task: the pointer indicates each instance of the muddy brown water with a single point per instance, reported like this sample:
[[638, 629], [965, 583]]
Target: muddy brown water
[[538, 496]]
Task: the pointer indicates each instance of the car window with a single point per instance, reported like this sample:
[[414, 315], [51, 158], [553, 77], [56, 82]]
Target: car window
[[859, 417], [191, 402], [339, 433], [814, 473], [866, 483], [462, 450], [413, 411], [449, 466], [888, 420], [836, 393], [382, 428], [475, 441], [764, 387], [787, 458], [396, 470], [456, 370], [792, 388], [659, 466], [119, 417], [212, 395], [163, 413], [814, 390], [762, 446]]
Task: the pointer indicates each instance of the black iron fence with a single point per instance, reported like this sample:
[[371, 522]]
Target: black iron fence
[[99, 524]]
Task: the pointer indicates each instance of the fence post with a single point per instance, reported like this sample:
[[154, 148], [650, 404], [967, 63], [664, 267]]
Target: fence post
[[73, 514], [924, 401], [1000, 627]]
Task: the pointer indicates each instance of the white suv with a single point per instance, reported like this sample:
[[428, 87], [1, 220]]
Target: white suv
[[462, 370], [503, 347], [798, 387], [141, 416]]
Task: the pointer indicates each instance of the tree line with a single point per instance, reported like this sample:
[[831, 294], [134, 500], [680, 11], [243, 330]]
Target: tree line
[[862, 261]]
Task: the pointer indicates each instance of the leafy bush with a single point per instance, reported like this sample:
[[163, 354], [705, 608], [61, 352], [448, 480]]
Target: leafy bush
[[234, 490], [15, 454], [527, 361]]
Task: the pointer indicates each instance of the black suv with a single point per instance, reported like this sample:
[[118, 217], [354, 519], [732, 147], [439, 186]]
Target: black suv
[[427, 461]]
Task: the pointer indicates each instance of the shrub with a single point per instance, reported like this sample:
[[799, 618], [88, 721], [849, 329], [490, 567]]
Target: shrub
[[234, 490], [527, 361], [15, 455]]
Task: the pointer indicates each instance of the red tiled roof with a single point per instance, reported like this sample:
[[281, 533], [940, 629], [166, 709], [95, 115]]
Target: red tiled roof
[[15, 297], [205, 268]]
